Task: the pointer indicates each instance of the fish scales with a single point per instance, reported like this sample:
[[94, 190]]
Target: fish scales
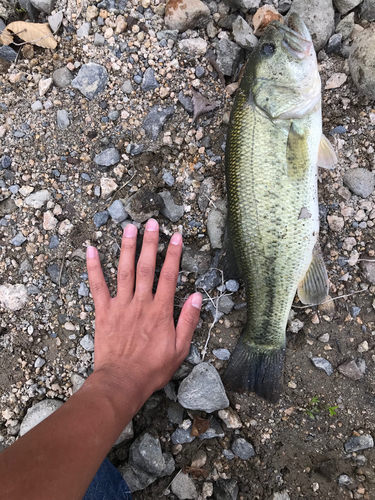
[[273, 149]]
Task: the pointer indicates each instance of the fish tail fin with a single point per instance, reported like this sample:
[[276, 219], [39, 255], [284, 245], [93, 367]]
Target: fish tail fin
[[255, 368]]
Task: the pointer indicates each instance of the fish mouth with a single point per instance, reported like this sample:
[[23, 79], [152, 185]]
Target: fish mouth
[[296, 37]]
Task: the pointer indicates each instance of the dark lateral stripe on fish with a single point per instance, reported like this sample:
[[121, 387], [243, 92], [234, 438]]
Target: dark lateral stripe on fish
[[255, 369]]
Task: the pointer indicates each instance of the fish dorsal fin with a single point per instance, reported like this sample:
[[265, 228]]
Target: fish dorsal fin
[[326, 155], [313, 289], [297, 151]]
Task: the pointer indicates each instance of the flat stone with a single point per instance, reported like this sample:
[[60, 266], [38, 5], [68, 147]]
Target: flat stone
[[175, 413], [358, 443], [13, 297], [242, 448], [62, 118], [45, 6], [168, 178], [143, 205], [193, 357], [229, 55], [350, 370], [182, 16], [360, 181], [319, 19], [87, 342], [99, 40], [136, 478], [54, 242], [182, 436], [55, 21], [84, 30], [243, 34], [38, 199], [167, 35], [44, 86], [193, 46], [54, 272], [186, 102], [155, 120], [146, 453], [36, 106], [322, 364], [149, 82], [117, 212], [7, 53], [107, 158], [77, 381], [226, 489], [210, 280], [18, 240], [345, 26], [222, 354], [183, 487], [83, 290], [5, 162], [226, 304], [344, 6], [62, 77], [171, 210], [101, 218], [216, 221], [38, 413], [127, 87], [91, 80], [203, 390]]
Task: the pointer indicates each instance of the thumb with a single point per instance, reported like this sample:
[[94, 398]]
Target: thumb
[[188, 322]]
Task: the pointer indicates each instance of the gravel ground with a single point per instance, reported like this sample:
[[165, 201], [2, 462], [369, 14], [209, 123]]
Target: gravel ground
[[127, 119]]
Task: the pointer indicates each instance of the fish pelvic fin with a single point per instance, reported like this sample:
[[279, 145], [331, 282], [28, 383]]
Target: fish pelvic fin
[[326, 155], [314, 287], [255, 368]]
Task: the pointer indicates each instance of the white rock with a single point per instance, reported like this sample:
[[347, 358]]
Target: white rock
[[49, 221], [335, 81], [38, 413], [183, 487], [38, 199], [65, 227], [44, 86], [193, 46], [107, 186], [335, 223], [230, 418], [55, 21], [87, 342], [39, 362], [13, 297]]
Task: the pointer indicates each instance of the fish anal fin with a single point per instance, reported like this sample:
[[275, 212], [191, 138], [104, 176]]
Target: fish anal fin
[[313, 289], [326, 155]]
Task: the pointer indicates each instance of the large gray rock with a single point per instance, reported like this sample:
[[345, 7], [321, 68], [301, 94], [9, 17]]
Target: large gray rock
[[351, 370], [345, 26], [154, 121], [62, 77], [344, 6], [322, 364], [203, 390], [362, 62], [229, 55], [38, 199], [38, 413], [182, 16], [117, 211], [107, 158], [183, 487], [7, 53], [242, 448], [149, 81], [368, 10], [171, 210], [243, 34], [62, 119], [91, 80], [147, 454], [368, 269], [226, 489], [319, 18], [360, 181], [358, 443], [45, 6], [245, 4]]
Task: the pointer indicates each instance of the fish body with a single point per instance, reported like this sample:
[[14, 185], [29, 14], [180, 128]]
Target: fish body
[[274, 141]]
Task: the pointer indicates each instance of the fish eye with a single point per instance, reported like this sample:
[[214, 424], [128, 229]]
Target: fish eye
[[268, 49]]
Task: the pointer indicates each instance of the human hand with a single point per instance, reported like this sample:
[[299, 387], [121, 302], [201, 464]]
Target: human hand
[[137, 346]]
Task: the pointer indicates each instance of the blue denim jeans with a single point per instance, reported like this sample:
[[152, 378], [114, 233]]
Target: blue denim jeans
[[108, 484]]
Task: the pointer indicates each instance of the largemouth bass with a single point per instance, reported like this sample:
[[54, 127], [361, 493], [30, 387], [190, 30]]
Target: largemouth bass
[[274, 147]]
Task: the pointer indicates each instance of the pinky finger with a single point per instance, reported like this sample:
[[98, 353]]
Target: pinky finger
[[188, 322]]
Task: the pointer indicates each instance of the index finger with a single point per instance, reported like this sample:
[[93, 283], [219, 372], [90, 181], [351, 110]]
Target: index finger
[[169, 274]]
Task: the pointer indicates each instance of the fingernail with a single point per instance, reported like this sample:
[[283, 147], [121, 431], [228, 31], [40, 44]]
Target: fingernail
[[176, 239], [90, 252], [151, 225], [130, 231], [197, 300]]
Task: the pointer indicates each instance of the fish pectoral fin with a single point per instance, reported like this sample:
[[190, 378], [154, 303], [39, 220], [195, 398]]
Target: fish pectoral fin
[[313, 289], [297, 151], [326, 155]]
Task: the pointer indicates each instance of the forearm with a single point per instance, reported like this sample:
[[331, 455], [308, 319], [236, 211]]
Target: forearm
[[58, 458]]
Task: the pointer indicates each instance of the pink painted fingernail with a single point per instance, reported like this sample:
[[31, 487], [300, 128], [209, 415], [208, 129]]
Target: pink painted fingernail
[[90, 252], [152, 225], [176, 239], [197, 300], [130, 231]]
